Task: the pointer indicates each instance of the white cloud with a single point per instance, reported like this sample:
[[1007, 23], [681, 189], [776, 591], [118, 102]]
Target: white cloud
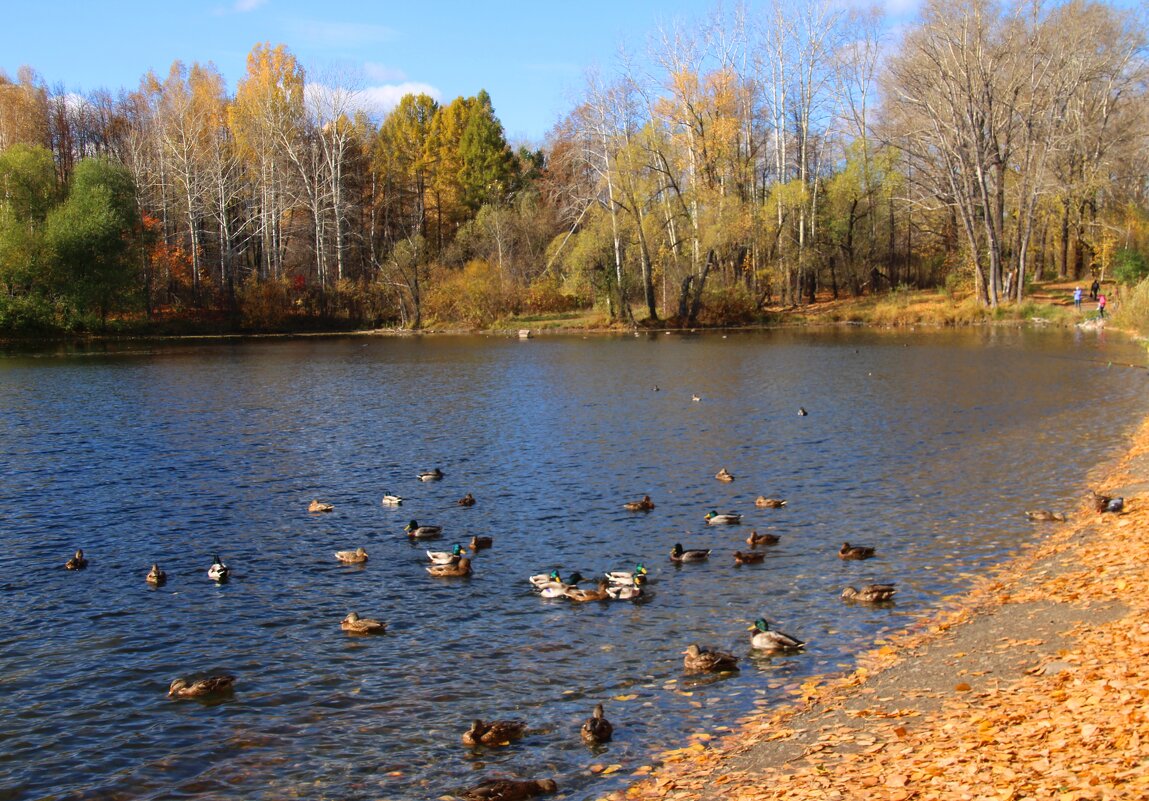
[[379, 100], [243, 6], [375, 101], [382, 73]]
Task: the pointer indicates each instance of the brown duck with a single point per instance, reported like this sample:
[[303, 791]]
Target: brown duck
[[495, 732]]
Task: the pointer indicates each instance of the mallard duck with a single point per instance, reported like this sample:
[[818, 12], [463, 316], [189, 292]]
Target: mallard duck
[[213, 685], [802, 411], [460, 568], [762, 502], [478, 543], [596, 729], [77, 562], [316, 506], [1044, 515], [510, 789], [625, 592], [392, 500], [645, 505], [495, 732], [466, 500], [765, 639], [724, 475], [636, 576], [156, 577], [218, 570], [751, 558], [728, 519], [699, 660], [677, 554], [555, 587], [755, 539], [418, 532], [599, 593], [696, 398], [446, 557], [871, 593], [353, 624], [848, 551], [431, 475], [358, 556]]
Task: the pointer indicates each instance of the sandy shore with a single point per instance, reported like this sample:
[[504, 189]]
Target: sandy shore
[[1033, 685]]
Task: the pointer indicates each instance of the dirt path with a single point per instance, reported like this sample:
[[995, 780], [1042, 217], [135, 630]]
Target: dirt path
[[1032, 686]]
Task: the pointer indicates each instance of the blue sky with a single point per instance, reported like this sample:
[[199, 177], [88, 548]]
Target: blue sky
[[530, 57]]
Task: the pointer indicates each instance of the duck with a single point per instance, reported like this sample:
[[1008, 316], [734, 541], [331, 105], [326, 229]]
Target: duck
[[728, 518], [446, 557], [77, 562], [466, 500], [599, 593], [356, 557], [495, 732], [645, 505], [317, 506], [539, 580], [460, 568], [766, 639], [762, 502], [556, 587], [636, 576], [1115, 505], [802, 411], [510, 789], [871, 593], [751, 558], [218, 570], [478, 543], [596, 729], [677, 554], [724, 475], [418, 532], [1044, 515], [704, 660], [848, 551], [696, 398], [392, 500], [200, 688], [430, 475], [353, 624], [755, 539], [156, 577], [625, 592]]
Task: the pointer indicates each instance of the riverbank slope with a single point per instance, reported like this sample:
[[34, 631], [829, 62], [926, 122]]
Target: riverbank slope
[[1031, 686]]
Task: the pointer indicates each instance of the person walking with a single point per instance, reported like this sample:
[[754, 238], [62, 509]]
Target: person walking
[[1077, 298], [1101, 306], [1094, 288]]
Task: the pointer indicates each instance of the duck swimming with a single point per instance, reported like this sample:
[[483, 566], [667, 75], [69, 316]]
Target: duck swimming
[[430, 475], [218, 570], [579, 595], [418, 532], [762, 502], [729, 518], [625, 592], [316, 506], [765, 639], [353, 624], [466, 500], [871, 593], [460, 568], [477, 543], [636, 576], [703, 660], [392, 500], [156, 577], [751, 558], [755, 539], [724, 475], [77, 562], [677, 554], [201, 688], [848, 551], [356, 557], [645, 505], [495, 732], [556, 587], [510, 789], [596, 729], [446, 557]]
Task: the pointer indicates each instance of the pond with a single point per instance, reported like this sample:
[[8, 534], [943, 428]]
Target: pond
[[928, 447]]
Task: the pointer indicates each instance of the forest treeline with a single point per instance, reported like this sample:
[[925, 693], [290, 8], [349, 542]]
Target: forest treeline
[[753, 158]]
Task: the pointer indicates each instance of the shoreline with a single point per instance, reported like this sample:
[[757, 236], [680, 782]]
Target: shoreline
[[1029, 685]]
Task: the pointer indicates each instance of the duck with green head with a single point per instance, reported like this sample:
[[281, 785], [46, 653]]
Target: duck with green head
[[765, 638]]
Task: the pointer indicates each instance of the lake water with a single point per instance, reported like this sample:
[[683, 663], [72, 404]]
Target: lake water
[[927, 447]]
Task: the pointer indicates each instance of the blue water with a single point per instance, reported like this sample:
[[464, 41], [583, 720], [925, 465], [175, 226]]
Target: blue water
[[928, 447]]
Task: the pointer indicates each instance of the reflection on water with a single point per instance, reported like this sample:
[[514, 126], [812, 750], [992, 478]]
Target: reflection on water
[[928, 448]]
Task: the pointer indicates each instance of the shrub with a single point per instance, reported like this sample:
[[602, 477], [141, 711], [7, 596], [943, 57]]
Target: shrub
[[1130, 267]]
